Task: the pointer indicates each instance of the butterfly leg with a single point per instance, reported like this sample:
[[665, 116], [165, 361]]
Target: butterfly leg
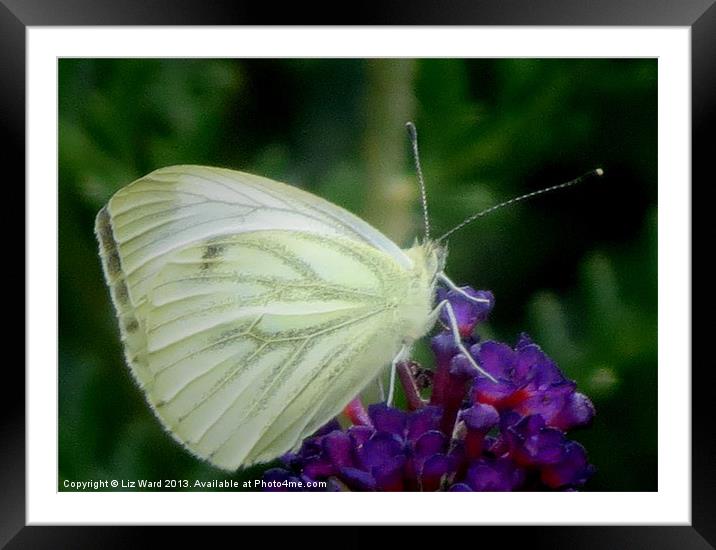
[[458, 339], [400, 356], [452, 286]]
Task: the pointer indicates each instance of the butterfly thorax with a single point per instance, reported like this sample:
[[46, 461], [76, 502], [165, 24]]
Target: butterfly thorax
[[428, 261]]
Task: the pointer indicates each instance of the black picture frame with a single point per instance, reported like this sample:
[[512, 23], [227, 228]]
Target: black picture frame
[[699, 15]]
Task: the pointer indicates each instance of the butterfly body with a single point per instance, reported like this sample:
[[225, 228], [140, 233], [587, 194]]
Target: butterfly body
[[252, 312]]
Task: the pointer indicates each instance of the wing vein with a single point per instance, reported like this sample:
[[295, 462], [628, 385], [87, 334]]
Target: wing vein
[[280, 372]]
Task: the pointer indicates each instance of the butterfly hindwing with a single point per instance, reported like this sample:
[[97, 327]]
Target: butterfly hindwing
[[249, 335]]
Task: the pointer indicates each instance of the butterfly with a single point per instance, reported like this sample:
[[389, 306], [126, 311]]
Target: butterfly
[[251, 312]]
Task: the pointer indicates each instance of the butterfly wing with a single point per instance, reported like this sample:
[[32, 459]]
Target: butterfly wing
[[257, 346], [147, 221], [251, 312]]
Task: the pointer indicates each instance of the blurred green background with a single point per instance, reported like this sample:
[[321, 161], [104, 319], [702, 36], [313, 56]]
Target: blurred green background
[[576, 269]]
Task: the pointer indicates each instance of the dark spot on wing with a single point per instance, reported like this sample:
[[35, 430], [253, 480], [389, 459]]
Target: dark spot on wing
[[121, 293], [131, 325], [104, 232], [104, 229], [211, 252], [114, 266]]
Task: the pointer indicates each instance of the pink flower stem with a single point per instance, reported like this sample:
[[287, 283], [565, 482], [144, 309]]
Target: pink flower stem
[[357, 413], [448, 392], [410, 387]]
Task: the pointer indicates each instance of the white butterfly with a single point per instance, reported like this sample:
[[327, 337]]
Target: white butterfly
[[251, 311]]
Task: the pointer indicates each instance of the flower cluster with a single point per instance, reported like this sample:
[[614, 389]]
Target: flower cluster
[[475, 433]]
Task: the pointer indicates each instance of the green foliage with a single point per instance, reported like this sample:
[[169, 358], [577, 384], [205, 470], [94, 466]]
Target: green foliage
[[603, 334], [577, 270]]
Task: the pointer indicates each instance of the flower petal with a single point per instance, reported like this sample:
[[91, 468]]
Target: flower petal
[[433, 470], [480, 417], [573, 470], [357, 480], [468, 313], [423, 420], [577, 411], [430, 443], [460, 487], [338, 448], [531, 442], [494, 475], [387, 419], [379, 449], [389, 475]]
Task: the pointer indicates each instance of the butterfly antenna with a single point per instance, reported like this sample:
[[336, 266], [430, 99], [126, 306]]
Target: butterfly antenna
[[580, 179], [413, 136]]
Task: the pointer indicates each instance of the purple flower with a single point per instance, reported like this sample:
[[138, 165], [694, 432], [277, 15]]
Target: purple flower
[[572, 470], [478, 419], [531, 442], [494, 474], [474, 434], [529, 383], [468, 313]]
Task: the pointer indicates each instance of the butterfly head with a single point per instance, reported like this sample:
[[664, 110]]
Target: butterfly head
[[428, 259]]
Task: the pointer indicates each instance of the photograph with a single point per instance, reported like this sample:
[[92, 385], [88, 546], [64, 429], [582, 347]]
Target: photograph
[[357, 274]]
